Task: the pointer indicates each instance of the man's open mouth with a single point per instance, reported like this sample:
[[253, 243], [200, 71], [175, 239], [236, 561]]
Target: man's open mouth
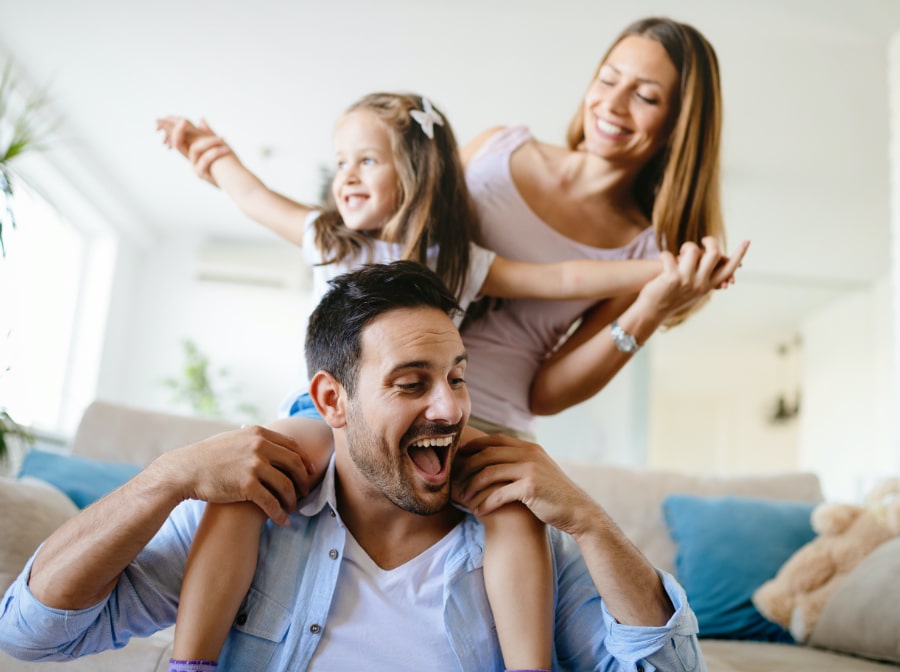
[[429, 454]]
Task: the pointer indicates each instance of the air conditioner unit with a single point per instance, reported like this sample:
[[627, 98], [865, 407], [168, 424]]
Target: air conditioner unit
[[275, 265]]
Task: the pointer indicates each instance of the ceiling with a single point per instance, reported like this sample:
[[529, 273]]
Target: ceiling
[[806, 171]]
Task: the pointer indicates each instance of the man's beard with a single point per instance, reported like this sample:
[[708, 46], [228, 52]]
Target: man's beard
[[384, 468]]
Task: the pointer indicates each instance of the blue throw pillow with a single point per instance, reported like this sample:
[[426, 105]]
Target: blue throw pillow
[[84, 480], [726, 548]]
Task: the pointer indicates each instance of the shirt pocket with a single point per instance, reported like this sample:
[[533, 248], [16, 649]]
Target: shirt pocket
[[261, 616]]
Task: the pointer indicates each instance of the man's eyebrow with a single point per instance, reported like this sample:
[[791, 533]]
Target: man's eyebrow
[[425, 364]]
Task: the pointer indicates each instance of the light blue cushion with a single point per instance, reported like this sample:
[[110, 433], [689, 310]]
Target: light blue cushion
[[84, 480], [726, 548]]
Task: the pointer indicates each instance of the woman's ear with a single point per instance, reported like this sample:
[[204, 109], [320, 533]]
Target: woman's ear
[[330, 399]]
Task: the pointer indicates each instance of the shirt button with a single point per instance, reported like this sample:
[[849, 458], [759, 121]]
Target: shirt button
[[331, 511], [333, 554], [241, 619], [315, 628]]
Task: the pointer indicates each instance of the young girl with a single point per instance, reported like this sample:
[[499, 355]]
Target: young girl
[[399, 193]]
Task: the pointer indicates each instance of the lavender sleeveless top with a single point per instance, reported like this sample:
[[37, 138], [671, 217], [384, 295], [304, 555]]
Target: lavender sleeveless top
[[506, 346]]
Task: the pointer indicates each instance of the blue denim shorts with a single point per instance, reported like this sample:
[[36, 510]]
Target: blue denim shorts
[[303, 407]]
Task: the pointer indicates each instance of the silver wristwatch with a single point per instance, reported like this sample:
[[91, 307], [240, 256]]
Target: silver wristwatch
[[624, 341]]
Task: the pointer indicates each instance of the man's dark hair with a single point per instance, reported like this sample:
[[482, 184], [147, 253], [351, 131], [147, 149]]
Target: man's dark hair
[[333, 337]]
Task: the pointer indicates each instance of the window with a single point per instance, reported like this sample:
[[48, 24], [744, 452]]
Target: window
[[40, 284]]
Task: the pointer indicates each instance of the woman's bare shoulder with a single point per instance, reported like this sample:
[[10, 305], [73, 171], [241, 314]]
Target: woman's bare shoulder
[[471, 148]]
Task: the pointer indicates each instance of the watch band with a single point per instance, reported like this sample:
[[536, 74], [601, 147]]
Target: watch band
[[624, 341]]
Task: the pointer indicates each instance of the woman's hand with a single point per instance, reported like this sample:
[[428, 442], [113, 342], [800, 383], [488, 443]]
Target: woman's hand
[[690, 277]]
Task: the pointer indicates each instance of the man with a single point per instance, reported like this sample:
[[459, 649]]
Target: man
[[389, 380]]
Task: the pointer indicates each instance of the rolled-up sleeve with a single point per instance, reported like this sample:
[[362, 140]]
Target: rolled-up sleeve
[[144, 601], [589, 638], [672, 646]]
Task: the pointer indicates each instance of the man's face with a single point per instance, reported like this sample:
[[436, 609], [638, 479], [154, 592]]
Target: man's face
[[411, 404]]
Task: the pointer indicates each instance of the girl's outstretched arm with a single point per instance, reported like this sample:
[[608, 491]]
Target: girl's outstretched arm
[[575, 279], [222, 559], [214, 161]]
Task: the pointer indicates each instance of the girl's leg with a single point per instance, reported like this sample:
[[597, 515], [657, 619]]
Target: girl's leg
[[219, 570], [518, 577]]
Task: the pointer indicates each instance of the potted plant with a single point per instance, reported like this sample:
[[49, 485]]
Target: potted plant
[[10, 432], [200, 389], [21, 131]]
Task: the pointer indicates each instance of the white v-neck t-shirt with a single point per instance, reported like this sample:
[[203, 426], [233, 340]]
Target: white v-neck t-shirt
[[388, 620]]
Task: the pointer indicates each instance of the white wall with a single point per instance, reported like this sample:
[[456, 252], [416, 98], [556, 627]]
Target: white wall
[[846, 428], [711, 412], [610, 427], [255, 332]]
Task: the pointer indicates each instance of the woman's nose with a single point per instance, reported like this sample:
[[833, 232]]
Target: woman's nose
[[616, 99]]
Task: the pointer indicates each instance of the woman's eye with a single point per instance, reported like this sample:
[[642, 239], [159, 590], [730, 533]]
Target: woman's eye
[[650, 100]]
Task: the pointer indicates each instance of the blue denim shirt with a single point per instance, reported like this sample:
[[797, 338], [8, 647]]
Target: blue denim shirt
[[281, 620]]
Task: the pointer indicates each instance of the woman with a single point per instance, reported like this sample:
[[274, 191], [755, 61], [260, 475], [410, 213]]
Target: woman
[[640, 174]]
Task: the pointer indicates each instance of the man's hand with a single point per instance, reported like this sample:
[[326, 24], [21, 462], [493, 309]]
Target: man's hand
[[251, 464], [498, 469]]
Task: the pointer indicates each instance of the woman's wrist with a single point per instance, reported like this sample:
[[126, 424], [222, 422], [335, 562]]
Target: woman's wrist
[[641, 319]]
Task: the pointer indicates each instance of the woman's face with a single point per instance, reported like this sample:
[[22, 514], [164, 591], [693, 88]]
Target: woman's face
[[628, 107]]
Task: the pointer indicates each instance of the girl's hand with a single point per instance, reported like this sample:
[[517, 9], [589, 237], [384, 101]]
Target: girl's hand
[[178, 133], [197, 143], [205, 151], [690, 277]]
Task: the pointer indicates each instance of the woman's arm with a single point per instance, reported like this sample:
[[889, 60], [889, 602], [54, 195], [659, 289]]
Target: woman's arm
[[214, 161], [588, 360], [576, 279]]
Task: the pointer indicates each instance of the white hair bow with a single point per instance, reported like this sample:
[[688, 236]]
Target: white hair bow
[[428, 118]]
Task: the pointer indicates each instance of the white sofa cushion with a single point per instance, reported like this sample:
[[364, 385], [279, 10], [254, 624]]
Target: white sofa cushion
[[863, 615], [633, 497]]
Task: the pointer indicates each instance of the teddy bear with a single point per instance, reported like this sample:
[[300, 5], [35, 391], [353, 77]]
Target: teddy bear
[[795, 597]]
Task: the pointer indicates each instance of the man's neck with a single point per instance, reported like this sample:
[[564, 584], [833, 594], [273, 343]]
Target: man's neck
[[387, 533]]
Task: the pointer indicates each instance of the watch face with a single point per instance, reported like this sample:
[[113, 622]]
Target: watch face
[[624, 341]]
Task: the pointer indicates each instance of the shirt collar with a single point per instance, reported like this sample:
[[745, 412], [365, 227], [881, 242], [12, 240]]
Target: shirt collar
[[323, 495]]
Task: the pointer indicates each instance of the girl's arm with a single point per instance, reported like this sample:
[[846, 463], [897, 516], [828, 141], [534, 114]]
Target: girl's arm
[[224, 553], [214, 161], [588, 360], [576, 279]]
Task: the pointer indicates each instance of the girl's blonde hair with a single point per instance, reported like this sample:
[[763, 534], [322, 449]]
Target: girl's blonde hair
[[679, 189], [435, 208]]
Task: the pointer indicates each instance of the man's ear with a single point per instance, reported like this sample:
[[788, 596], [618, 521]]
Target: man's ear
[[330, 399]]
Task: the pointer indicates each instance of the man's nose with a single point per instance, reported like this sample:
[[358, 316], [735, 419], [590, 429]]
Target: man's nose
[[446, 405]]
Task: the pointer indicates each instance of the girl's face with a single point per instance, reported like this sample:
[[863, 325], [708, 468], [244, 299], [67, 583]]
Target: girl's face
[[628, 106], [366, 186]]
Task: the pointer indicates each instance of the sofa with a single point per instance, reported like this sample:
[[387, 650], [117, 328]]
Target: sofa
[[111, 436]]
